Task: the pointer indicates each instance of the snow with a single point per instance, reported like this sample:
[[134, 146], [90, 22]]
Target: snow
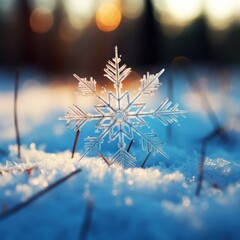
[[134, 203], [29, 118]]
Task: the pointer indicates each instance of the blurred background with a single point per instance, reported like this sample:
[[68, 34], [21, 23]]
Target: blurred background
[[57, 36], [196, 41]]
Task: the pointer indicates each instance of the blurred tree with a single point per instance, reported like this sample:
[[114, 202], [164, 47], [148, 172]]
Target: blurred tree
[[140, 41], [25, 39], [150, 38]]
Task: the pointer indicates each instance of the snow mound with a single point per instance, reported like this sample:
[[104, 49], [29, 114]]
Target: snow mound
[[136, 203]]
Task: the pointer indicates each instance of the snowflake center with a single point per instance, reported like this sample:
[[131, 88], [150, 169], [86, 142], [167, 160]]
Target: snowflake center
[[120, 115]]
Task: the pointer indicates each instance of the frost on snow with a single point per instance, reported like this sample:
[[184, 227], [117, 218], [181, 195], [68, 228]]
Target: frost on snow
[[119, 116]]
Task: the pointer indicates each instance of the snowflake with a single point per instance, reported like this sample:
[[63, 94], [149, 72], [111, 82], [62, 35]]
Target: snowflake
[[120, 117]]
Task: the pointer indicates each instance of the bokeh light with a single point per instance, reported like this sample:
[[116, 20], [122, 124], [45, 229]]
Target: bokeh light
[[178, 12], [220, 13], [237, 11], [41, 20], [80, 12], [174, 15], [108, 16], [183, 10], [71, 26], [133, 8]]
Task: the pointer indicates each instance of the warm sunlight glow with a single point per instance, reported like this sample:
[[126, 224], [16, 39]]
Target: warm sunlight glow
[[41, 20], [80, 12], [220, 13], [174, 15], [81, 7], [184, 10], [108, 17], [133, 8], [177, 12]]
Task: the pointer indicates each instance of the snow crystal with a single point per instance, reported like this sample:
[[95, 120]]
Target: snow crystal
[[119, 116]]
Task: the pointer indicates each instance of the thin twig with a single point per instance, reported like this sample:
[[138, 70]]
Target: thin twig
[[25, 203], [216, 186], [201, 168], [15, 113], [105, 159], [219, 129], [144, 162], [75, 143], [86, 225], [217, 132], [130, 145], [220, 132]]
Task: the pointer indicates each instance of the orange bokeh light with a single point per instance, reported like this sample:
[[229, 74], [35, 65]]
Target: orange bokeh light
[[108, 17], [41, 20]]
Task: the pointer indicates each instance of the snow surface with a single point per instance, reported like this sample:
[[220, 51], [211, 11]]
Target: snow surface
[[135, 203]]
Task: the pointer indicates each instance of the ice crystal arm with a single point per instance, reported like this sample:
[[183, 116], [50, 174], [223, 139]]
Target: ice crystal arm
[[167, 114], [108, 130], [76, 117], [85, 87], [149, 84], [92, 144], [114, 72], [123, 158], [90, 89], [164, 112], [150, 142]]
